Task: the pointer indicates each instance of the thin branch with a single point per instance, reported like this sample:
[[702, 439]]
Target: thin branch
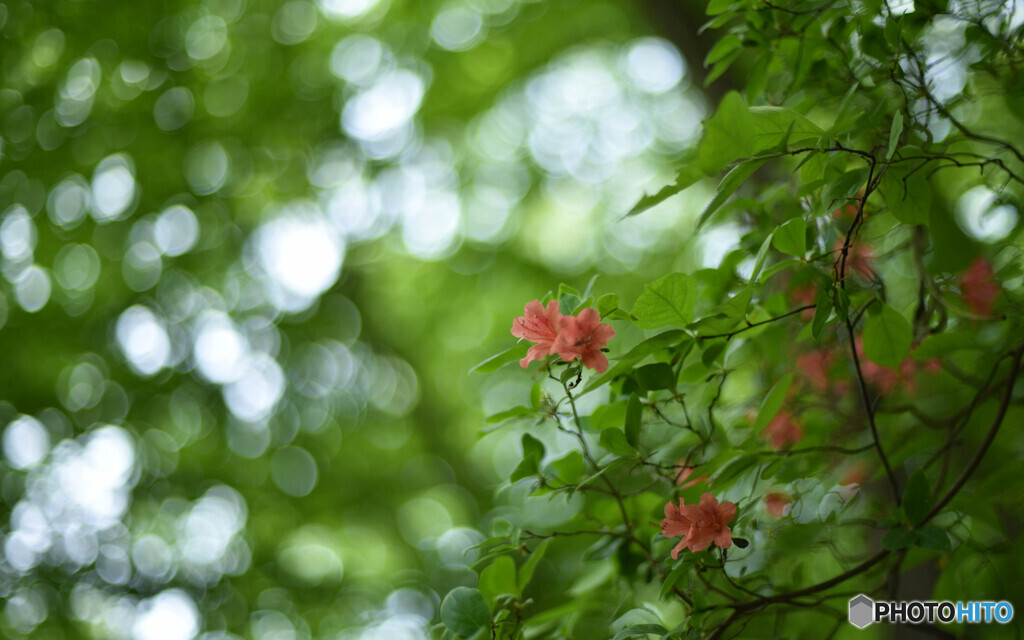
[[972, 466], [870, 410], [752, 325]]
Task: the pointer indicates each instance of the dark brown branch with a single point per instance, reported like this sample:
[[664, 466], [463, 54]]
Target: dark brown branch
[[870, 410], [972, 466], [751, 325]]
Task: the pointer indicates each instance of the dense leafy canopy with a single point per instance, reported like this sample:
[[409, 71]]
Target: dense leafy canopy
[[255, 256]]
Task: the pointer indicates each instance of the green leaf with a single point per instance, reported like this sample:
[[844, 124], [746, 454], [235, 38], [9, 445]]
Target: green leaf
[[721, 67], [527, 468], [822, 311], [665, 302], [465, 611], [917, 498], [788, 263], [496, 361], [762, 255], [773, 402], [725, 45], [536, 394], [607, 303], [568, 303], [608, 415], [716, 7], [725, 316], [567, 289], [842, 303], [894, 134], [634, 411], [672, 578], [775, 125], [847, 102], [502, 416], [499, 579], [636, 354], [942, 344], [533, 453], [898, 539], [640, 630], [791, 237], [653, 377], [687, 175], [569, 468], [532, 447], [887, 337], [728, 186], [728, 135], [843, 188], [892, 31], [908, 195], [614, 440], [929, 537], [526, 572], [711, 353]]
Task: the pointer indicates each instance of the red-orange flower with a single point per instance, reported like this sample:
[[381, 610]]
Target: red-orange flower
[[582, 336], [814, 366], [683, 481], [854, 473], [886, 379], [699, 524], [538, 325], [978, 288], [858, 259], [775, 504], [805, 295], [783, 431], [847, 211]]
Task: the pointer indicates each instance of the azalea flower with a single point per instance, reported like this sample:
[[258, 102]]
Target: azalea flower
[[858, 259], [540, 325], [803, 296], [886, 379], [814, 366], [776, 504], [699, 524], [783, 431], [978, 288], [582, 336], [683, 482]]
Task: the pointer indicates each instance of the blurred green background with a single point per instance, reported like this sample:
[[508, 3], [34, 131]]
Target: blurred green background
[[250, 252]]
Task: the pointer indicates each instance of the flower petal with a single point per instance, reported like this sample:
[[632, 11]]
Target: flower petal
[[726, 512], [595, 360], [724, 538]]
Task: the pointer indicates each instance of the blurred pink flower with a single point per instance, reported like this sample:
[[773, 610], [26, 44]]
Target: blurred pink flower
[[538, 325], [682, 480], [783, 431], [582, 336], [699, 524], [978, 288], [814, 366], [886, 379], [859, 259], [804, 295], [775, 504]]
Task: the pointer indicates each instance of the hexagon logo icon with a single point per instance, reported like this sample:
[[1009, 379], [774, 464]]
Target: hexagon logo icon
[[862, 610]]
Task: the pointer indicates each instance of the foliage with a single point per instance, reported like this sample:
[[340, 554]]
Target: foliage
[[250, 250], [822, 385]]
